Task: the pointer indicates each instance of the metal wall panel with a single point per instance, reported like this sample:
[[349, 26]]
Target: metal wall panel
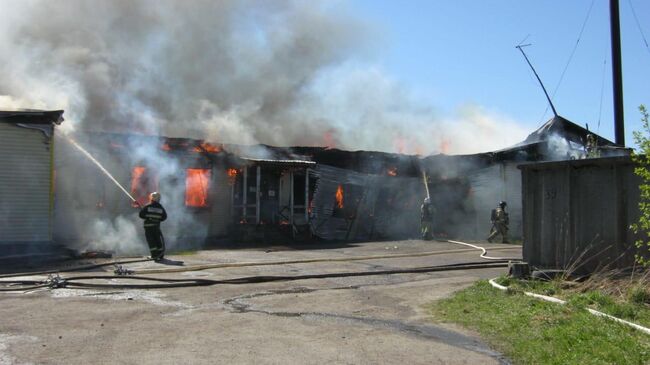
[[577, 213], [25, 175], [221, 203]]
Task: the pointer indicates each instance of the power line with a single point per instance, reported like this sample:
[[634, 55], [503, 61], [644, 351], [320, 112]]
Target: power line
[[575, 47], [638, 25]]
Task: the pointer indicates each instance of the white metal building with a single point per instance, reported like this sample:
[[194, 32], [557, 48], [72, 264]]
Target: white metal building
[[26, 180]]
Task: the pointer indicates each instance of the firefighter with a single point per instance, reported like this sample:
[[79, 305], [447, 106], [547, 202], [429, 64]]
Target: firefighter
[[154, 213], [591, 147], [500, 221], [426, 219]]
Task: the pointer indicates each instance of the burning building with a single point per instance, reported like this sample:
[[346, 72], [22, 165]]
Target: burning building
[[26, 180], [265, 194], [467, 187], [92, 212]]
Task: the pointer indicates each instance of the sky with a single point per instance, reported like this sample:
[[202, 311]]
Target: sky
[[454, 53]]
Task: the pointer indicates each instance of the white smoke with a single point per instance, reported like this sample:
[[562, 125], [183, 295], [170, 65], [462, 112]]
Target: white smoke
[[120, 235], [241, 71], [560, 148], [277, 72]]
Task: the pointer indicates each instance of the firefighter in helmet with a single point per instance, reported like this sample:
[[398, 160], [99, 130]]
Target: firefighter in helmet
[[154, 213], [591, 147], [426, 219], [500, 221]]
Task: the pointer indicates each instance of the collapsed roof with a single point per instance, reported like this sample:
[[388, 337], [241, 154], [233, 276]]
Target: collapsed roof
[[534, 148], [566, 129]]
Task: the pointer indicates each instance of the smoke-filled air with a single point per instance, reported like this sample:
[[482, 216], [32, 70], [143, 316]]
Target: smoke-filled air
[[282, 73]]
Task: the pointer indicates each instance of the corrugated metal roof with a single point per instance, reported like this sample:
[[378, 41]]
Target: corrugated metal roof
[[286, 162], [31, 116]]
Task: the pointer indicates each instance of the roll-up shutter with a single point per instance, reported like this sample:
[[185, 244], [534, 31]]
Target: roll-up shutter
[[25, 177]]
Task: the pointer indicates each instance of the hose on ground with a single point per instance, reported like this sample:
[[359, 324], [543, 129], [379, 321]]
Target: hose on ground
[[77, 268], [161, 283], [484, 251], [259, 263], [560, 301]]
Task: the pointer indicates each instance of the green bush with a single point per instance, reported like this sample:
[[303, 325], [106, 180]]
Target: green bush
[[642, 227]]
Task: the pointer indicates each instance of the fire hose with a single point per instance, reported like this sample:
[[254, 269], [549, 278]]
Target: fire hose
[[77, 268], [120, 272], [54, 282], [309, 261], [560, 301], [258, 263]]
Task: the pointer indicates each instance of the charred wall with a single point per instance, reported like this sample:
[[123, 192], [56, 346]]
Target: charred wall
[[371, 206]]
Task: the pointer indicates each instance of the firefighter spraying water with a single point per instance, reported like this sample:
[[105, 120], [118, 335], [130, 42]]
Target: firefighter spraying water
[[154, 213], [99, 165]]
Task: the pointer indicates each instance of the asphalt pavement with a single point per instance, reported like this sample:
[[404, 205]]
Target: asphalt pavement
[[330, 319]]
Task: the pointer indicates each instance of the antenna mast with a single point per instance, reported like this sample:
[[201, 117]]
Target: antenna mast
[[520, 48]]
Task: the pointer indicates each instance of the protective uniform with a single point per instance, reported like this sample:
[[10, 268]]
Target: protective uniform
[[500, 221], [591, 147], [426, 220], [153, 214]]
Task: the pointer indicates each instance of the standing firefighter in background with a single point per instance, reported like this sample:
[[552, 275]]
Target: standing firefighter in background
[[154, 213], [591, 147], [426, 219], [500, 221]]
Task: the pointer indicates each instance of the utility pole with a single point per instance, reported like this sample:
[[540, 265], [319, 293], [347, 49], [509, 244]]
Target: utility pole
[[617, 74]]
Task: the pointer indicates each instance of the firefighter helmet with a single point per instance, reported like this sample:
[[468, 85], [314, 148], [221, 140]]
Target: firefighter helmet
[[502, 204], [154, 197]]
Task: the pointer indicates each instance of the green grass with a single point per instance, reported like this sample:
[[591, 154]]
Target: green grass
[[632, 305], [530, 331]]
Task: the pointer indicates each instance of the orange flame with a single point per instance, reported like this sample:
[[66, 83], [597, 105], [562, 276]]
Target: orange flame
[[392, 171], [339, 196], [141, 185], [419, 150], [445, 146], [207, 147], [328, 138], [232, 175], [166, 147], [197, 182], [399, 143]]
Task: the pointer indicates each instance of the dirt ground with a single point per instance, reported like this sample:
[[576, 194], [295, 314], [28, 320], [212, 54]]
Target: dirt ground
[[377, 319]]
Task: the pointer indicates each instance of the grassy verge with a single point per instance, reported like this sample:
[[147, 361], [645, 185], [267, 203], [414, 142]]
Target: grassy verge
[[623, 298], [530, 331]]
